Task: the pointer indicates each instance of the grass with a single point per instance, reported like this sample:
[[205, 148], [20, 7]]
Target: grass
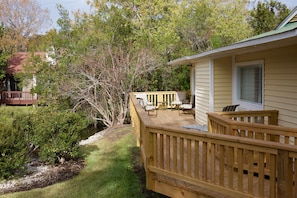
[[108, 172]]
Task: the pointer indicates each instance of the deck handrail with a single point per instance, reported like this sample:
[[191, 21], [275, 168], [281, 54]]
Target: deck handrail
[[158, 98], [181, 161], [224, 123], [17, 97]]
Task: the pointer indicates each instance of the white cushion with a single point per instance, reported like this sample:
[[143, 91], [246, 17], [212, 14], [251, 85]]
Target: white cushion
[[176, 103], [186, 106]]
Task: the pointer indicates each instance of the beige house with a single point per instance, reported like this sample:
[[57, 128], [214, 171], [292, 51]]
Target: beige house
[[259, 73]]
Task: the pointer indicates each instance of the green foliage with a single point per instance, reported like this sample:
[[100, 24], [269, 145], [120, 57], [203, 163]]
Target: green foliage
[[3, 55], [123, 46], [267, 15], [208, 24], [45, 132], [55, 133], [113, 169], [179, 79], [13, 150]]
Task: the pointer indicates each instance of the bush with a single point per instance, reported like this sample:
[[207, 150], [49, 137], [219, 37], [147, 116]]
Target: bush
[[13, 150], [50, 134], [55, 133]]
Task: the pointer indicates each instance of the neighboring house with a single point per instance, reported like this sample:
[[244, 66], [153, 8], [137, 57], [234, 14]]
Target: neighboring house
[[259, 73], [16, 65], [10, 91]]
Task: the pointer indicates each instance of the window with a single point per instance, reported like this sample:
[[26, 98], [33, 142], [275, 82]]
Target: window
[[249, 85]]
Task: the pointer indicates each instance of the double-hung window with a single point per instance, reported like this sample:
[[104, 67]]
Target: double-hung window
[[248, 85]]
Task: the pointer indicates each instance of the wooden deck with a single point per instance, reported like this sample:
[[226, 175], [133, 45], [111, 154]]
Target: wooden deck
[[17, 98], [174, 118], [241, 155]]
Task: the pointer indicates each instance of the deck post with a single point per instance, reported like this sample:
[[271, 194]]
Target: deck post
[[283, 172], [147, 139], [273, 119]]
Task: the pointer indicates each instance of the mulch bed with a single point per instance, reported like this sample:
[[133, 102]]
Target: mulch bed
[[53, 175]]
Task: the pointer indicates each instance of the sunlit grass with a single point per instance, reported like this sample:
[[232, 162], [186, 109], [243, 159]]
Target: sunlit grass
[[108, 172]]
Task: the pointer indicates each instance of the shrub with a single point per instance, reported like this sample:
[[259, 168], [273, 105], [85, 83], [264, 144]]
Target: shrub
[[13, 150], [51, 134], [55, 133]]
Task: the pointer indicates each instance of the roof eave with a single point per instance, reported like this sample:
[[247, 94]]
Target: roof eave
[[224, 50]]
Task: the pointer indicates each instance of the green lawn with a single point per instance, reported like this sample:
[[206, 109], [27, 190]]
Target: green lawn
[[108, 172]]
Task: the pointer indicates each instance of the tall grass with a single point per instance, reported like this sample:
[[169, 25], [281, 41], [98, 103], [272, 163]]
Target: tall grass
[[108, 172]]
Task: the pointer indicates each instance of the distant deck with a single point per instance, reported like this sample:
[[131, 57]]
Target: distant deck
[[17, 98]]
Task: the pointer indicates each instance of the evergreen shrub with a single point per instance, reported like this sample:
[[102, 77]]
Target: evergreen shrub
[[50, 135], [13, 150], [54, 133]]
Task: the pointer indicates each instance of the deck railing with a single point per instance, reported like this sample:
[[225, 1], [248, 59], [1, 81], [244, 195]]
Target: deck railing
[[187, 163], [17, 98], [163, 98], [261, 125]]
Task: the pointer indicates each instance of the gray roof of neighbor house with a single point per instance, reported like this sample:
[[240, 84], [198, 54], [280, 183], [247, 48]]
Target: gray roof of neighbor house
[[285, 34]]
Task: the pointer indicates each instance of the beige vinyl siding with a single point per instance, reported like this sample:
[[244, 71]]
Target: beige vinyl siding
[[280, 82], [202, 74], [222, 83]]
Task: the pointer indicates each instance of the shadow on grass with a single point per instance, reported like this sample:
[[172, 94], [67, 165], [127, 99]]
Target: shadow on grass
[[139, 171]]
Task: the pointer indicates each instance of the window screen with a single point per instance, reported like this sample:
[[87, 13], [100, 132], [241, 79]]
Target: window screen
[[250, 83]]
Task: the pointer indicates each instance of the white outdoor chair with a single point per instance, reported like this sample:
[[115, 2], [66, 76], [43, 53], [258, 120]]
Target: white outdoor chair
[[148, 106], [179, 97], [187, 107]]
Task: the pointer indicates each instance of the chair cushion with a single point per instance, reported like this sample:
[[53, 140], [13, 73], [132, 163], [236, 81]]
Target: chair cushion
[[176, 103], [186, 106], [149, 108]]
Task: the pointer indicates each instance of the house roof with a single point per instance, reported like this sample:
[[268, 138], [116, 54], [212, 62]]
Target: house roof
[[291, 18], [17, 61], [284, 35]]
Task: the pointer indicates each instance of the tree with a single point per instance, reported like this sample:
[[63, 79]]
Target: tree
[[208, 24], [100, 62], [3, 56], [123, 46], [21, 20], [104, 80], [267, 15]]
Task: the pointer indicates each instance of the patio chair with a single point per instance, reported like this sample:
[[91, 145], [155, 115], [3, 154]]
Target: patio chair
[[179, 97], [143, 97], [187, 107], [205, 127], [230, 107], [148, 106]]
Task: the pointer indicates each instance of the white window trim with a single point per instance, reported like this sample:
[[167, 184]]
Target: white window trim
[[244, 104], [211, 86]]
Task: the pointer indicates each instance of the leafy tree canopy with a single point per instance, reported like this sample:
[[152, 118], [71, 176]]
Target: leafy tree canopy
[[123, 46], [21, 20], [267, 15]]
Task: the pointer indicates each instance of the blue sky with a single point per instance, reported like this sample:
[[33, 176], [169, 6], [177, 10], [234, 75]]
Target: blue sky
[[70, 5], [290, 3], [74, 5]]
